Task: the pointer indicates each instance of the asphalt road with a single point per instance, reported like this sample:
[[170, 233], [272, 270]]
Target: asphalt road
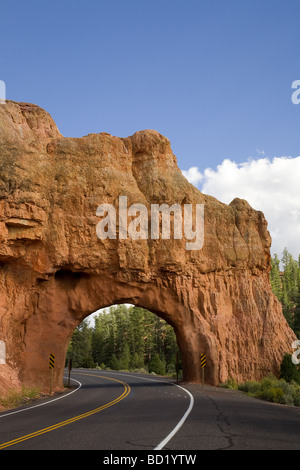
[[131, 412]]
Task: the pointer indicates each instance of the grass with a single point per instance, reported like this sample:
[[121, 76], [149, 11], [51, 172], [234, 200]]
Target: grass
[[270, 389], [14, 399]]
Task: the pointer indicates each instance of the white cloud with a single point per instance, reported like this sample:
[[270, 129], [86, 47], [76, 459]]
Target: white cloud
[[272, 186], [193, 175], [91, 317]]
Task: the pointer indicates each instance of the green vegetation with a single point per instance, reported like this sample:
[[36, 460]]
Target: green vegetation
[[285, 282], [285, 390], [274, 390], [125, 338], [14, 398]]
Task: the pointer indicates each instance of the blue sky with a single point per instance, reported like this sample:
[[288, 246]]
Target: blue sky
[[214, 76]]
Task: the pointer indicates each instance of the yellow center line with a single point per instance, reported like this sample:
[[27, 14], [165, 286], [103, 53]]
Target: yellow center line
[[75, 418]]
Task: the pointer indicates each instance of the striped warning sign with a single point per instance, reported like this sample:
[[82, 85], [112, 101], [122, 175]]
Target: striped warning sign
[[51, 361], [203, 360]]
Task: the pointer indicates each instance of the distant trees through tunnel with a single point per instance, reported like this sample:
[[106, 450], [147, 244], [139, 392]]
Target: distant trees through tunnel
[[126, 337]]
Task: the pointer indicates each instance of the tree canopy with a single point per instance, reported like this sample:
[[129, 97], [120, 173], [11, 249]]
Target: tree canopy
[[125, 338], [285, 282]]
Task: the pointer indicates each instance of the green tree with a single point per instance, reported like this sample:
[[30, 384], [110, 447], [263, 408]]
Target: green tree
[[109, 343], [296, 325], [286, 285], [125, 337], [136, 333], [170, 346], [156, 365], [290, 285], [137, 361], [288, 370], [80, 348], [114, 362], [125, 357], [275, 278]]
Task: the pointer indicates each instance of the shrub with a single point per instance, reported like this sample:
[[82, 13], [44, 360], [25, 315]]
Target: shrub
[[269, 381], [140, 370], [171, 369], [288, 370], [156, 365], [17, 398], [230, 383], [273, 394], [250, 387], [296, 394], [114, 363], [274, 390]]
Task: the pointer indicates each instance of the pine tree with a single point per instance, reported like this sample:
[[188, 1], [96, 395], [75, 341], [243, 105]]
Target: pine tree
[[136, 332], [125, 357], [288, 370], [80, 349], [137, 361], [156, 365], [290, 286], [296, 325], [275, 278], [123, 338]]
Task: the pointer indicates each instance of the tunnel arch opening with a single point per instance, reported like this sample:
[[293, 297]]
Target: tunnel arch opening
[[126, 337], [67, 298]]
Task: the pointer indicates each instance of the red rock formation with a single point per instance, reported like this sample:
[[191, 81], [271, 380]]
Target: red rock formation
[[54, 270]]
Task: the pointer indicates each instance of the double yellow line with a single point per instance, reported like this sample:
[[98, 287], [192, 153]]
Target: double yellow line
[[75, 418]]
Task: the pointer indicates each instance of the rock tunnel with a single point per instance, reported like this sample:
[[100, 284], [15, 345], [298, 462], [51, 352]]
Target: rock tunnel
[[69, 297], [55, 270]]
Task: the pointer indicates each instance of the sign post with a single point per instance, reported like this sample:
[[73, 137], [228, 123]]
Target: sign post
[[203, 364], [69, 367], [51, 367]]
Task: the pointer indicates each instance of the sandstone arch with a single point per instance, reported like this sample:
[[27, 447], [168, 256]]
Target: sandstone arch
[[54, 270], [80, 295]]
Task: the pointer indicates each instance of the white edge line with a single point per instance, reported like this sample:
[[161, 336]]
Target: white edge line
[[42, 404], [180, 423], [184, 417], [162, 443]]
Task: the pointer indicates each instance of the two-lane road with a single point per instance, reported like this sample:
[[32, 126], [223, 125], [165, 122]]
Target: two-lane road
[[127, 411], [109, 410]]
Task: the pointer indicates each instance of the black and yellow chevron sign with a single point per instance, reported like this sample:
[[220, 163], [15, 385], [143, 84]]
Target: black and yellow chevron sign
[[203, 360], [51, 361]]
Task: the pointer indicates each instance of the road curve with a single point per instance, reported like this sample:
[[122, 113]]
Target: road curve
[[118, 411], [109, 410]]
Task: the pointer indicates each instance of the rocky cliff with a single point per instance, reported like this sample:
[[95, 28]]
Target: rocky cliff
[[55, 270]]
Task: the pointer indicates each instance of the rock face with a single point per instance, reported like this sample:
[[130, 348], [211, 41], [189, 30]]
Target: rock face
[[55, 270]]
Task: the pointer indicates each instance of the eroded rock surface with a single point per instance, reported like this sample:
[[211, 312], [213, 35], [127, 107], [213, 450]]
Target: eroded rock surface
[[54, 270]]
